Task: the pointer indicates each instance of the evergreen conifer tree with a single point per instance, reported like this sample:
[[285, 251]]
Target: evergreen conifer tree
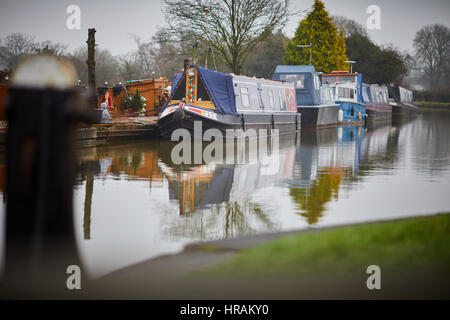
[[328, 43]]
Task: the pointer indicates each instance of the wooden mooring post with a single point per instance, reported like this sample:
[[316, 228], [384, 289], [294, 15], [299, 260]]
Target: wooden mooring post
[[92, 86], [91, 60]]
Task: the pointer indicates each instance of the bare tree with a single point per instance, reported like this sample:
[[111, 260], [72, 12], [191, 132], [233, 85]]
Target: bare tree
[[230, 27], [349, 26], [14, 46], [145, 56], [106, 65], [432, 50], [129, 67], [47, 47]]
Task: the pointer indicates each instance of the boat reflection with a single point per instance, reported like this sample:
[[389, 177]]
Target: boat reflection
[[324, 158], [218, 199]]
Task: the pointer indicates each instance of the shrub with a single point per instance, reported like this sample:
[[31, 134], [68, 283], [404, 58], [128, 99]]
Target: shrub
[[134, 102]]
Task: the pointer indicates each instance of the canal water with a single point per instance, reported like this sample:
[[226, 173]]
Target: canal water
[[132, 203]]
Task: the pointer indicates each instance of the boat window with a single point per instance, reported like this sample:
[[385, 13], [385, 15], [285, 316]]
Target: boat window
[[316, 82], [282, 100], [347, 92], [352, 94], [335, 79], [202, 93], [330, 94], [365, 93], [297, 79], [341, 92], [180, 92], [271, 101], [244, 97]]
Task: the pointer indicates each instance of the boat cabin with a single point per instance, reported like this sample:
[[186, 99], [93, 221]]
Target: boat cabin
[[263, 95], [344, 77], [327, 94], [305, 80], [400, 94], [345, 91], [231, 94], [375, 94], [401, 100]]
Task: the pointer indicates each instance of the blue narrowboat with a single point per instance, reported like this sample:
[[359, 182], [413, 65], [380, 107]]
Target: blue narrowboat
[[226, 101], [314, 101], [348, 94]]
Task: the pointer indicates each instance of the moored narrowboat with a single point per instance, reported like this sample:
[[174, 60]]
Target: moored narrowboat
[[401, 100], [314, 101], [226, 101], [348, 95], [376, 100]]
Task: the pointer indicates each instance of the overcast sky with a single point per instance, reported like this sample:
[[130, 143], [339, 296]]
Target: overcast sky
[[116, 20]]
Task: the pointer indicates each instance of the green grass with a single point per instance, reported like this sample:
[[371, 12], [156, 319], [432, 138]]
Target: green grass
[[411, 244]]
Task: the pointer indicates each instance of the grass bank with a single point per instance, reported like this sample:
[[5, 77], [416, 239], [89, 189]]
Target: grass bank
[[410, 245], [434, 105]]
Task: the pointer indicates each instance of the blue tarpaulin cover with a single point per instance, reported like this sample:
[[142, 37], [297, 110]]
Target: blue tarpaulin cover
[[175, 80], [219, 86]]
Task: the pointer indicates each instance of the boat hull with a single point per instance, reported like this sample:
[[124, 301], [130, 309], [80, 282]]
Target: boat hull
[[322, 115], [404, 109], [185, 119], [351, 112], [378, 112]]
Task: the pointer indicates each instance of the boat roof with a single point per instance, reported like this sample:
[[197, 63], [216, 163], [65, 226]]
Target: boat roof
[[294, 69], [264, 82], [218, 85], [339, 73]]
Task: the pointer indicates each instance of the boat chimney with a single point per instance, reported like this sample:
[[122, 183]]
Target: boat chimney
[[187, 63]]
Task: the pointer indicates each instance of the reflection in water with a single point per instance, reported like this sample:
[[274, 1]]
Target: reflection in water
[[132, 203], [87, 207], [311, 201], [324, 158]]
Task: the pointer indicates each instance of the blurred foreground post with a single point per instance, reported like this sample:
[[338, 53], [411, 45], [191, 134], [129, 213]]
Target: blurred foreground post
[[43, 108]]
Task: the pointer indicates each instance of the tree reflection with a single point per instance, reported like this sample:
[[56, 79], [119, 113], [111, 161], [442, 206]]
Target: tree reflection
[[311, 201], [223, 221], [87, 206]]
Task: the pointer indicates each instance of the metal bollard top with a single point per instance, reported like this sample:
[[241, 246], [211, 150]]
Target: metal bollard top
[[45, 72]]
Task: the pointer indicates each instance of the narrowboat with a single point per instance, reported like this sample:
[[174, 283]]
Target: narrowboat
[[348, 95], [376, 100], [315, 102], [227, 101], [401, 100]]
